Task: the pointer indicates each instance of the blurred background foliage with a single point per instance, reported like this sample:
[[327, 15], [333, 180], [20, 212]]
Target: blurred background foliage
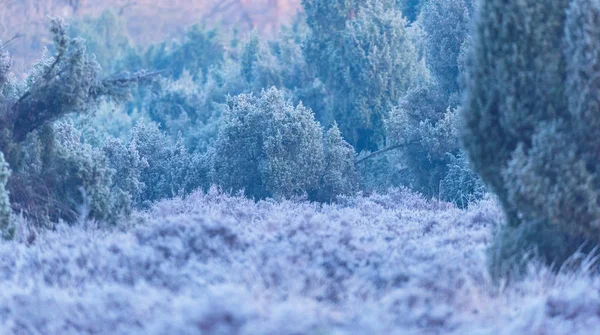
[[341, 97]]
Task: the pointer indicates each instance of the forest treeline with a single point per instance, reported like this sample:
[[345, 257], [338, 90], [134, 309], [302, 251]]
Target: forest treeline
[[170, 18], [353, 96]]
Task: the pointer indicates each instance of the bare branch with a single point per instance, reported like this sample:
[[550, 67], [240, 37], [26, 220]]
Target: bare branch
[[382, 151], [12, 39]]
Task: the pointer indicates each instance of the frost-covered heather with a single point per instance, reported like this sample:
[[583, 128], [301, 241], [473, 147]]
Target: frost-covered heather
[[214, 264]]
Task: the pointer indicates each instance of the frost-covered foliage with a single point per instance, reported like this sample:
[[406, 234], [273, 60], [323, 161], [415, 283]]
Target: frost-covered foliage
[[55, 174], [194, 107], [280, 62], [410, 8], [196, 75], [183, 107], [106, 37], [446, 25], [68, 82], [460, 185], [531, 113], [267, 147], [340, 176], [197, 52], [6, 230], [434, 163], [59, 175], [5, 63], [119, 258], [150, 166], [214, 264], [6, 227], [427, 144], [423, 125], [249, 57], [169, 163], [369, 62], [190, 98], [364, 55], [128, 165], [380, 173]]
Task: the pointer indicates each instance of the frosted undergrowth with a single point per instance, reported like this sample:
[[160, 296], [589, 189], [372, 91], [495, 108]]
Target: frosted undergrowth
[[214, 264]]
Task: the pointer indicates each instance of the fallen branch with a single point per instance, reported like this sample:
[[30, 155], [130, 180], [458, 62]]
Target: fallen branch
[[12, 39], [382, 151]]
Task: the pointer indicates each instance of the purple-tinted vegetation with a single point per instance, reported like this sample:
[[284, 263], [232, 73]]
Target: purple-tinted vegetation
[[216, 264]]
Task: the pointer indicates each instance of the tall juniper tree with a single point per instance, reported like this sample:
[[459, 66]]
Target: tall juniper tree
[[446, 25], [54, 174], [425, 116], [530, 118], [366, 59]]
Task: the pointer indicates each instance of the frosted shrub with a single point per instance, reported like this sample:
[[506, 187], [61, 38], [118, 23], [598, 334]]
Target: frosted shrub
[[55, 173], [128, 166], [185, 107], [461, 185], [280, 62], [216, 264], [167, 168], [267, 147], [340, 176]]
